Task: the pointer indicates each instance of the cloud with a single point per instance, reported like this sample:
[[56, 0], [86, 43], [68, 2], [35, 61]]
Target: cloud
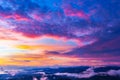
[[90, 73], [11, 72], [61, 18], [37, 20], [86, 74], [108, 52], [82, 29], [114, 72]]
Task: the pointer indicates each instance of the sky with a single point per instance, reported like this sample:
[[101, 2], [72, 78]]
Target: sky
[[59, 32]]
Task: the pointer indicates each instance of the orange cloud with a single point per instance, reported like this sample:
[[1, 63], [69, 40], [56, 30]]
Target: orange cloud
[[37, 60], [43, 47], [48, 60], [21, 50]]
